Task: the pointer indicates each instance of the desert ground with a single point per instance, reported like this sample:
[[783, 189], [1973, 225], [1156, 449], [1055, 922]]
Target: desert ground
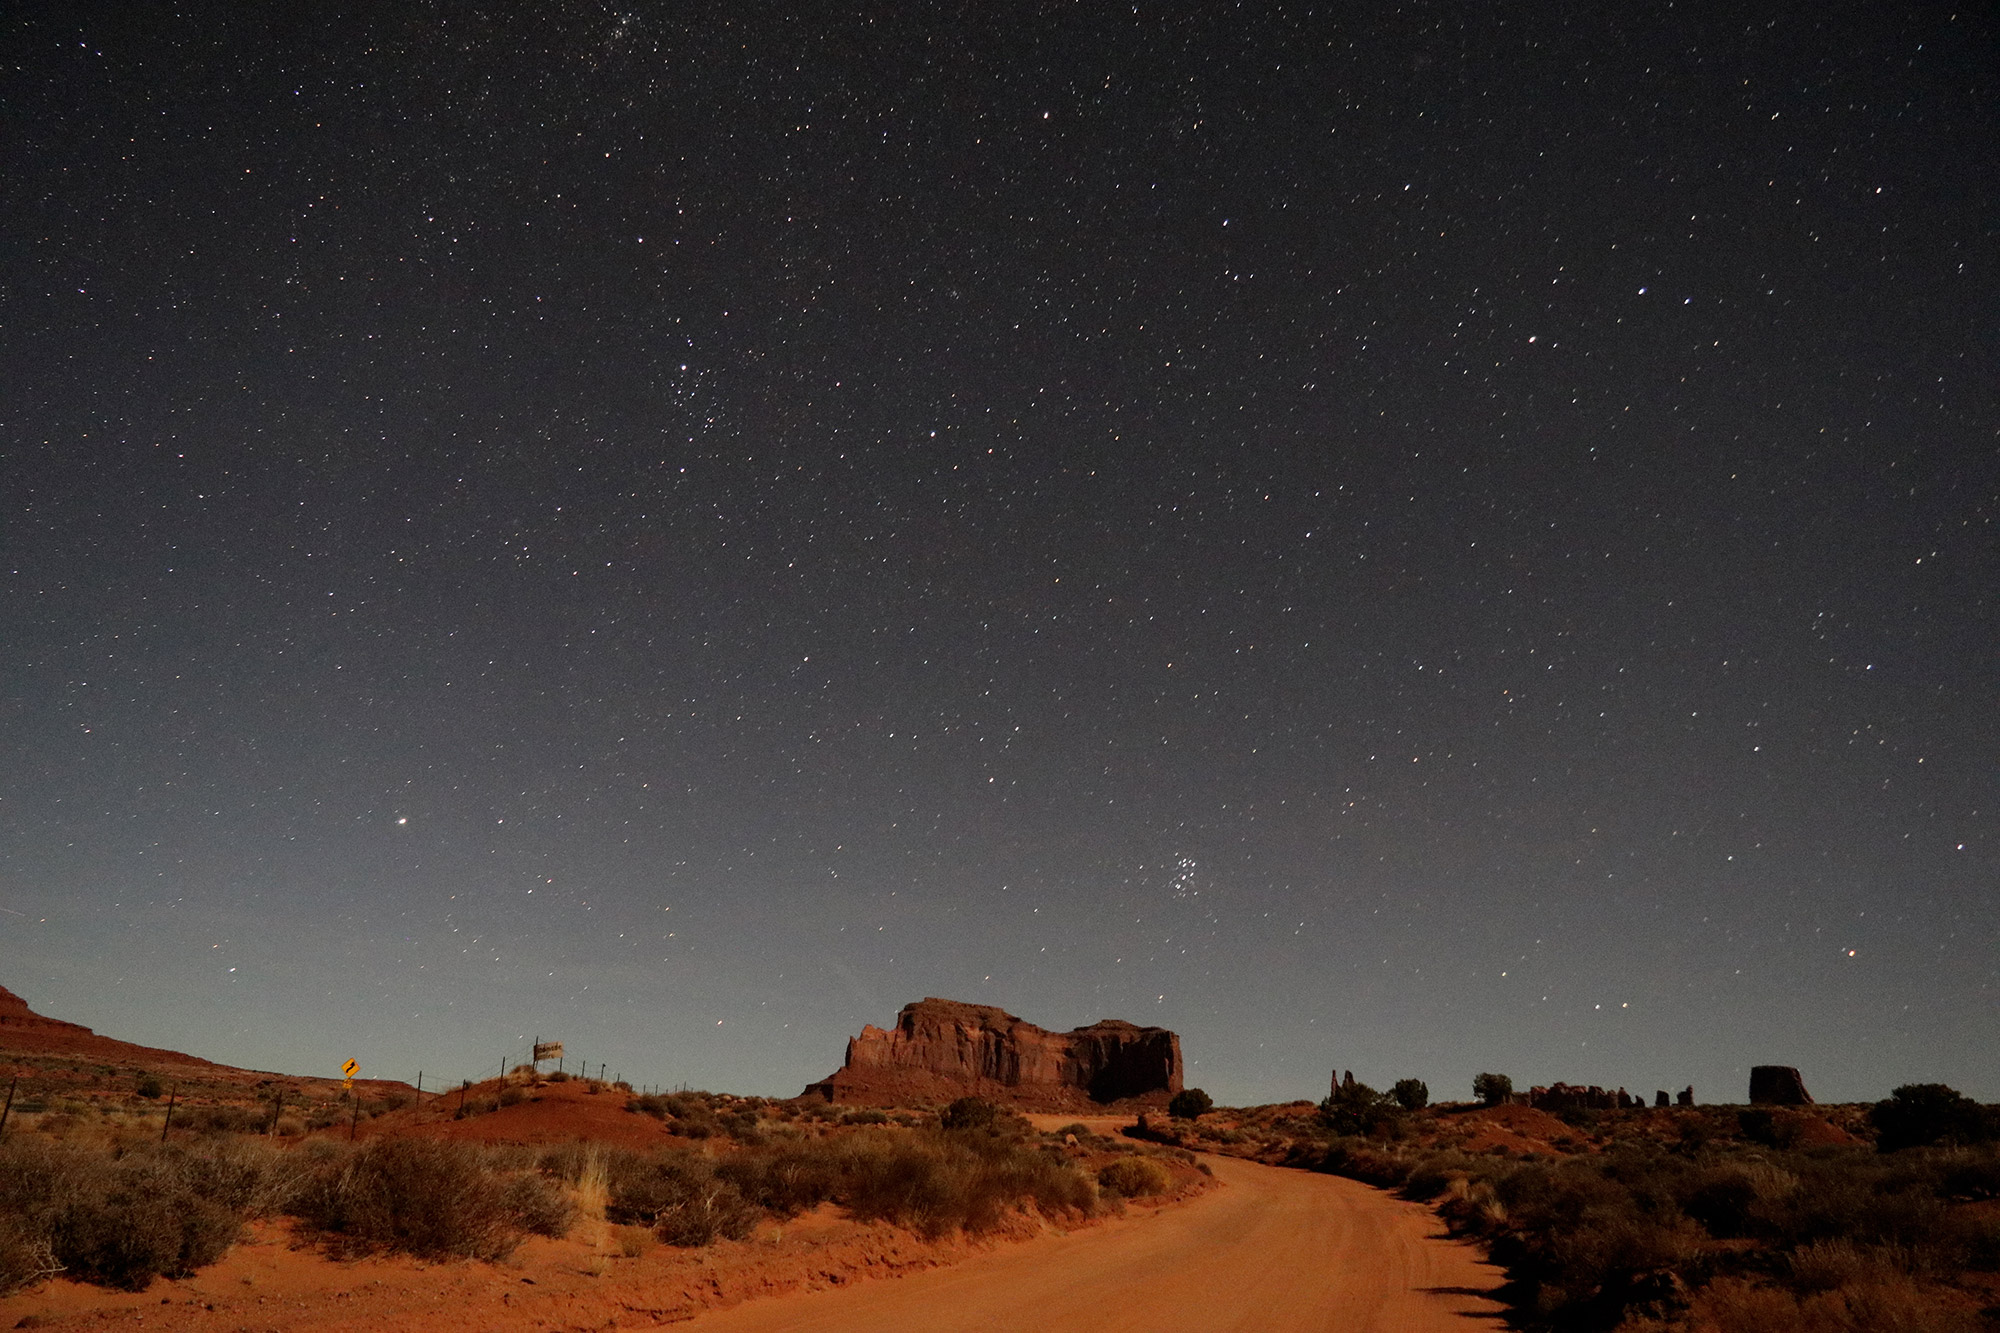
[[1272, 1250], [1267, 1249]]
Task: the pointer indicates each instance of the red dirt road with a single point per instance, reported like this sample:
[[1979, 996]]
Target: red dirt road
[[1274, 1251]]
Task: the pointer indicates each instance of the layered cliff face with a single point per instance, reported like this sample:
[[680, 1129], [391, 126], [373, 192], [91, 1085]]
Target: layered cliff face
[[942, 1049]]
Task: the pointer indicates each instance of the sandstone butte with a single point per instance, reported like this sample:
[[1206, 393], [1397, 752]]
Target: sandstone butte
[[940, 1050]]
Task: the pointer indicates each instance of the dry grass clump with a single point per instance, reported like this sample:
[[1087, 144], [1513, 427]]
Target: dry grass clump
[[1134, 1178], [428, 1198]]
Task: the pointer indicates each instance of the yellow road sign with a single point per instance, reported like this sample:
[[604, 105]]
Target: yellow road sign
[[349, 1068]]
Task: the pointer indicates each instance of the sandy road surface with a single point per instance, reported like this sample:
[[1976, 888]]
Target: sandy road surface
[[1274, 1251]]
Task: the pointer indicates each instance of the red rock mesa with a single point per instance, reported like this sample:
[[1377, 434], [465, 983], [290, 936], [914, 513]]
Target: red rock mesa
[[943, 1049]]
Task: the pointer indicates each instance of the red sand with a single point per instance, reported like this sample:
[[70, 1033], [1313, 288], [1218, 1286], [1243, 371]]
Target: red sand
[[548, 1113]]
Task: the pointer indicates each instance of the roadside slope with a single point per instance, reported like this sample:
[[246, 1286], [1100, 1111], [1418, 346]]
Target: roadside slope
[[1276, 1251]]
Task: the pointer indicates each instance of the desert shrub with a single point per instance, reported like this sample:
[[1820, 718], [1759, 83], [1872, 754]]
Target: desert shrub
[[512, 1096], [1883, 1301], [650, 1104], [1435, 1175], [26, 1257], [970, 1113], [1357, 1158], [427, 1198], [1721, 1199], [1190, 1104], [1826, 1265], [683, 1105], [935, 1182], [1134, 1178], [790, 1178], [1412, 1094], [123, 1221], [864, 1117], [149, 1087], [1917, 1115], [692, 1114], [1970, 1175], [680, 1196], [743, 1126], [134, 1231], [1492, 1089], [1582, 1249], [219, 1120]]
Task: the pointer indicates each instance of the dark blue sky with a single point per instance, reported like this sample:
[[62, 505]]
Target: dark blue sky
[[1419, 538]]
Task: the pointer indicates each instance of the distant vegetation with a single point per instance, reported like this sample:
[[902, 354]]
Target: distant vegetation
[[1923, 1115], [1190, 1104], [1689, 1220], [1356, 1108]]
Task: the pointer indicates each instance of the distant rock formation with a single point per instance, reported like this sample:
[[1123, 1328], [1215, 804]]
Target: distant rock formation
[[17, 1020], [1569, 1097], [939, 1050], [1777, 1085], [25, 1032], [1685, 1097]]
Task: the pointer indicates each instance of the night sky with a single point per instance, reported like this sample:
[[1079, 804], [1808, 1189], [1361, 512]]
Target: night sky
[[1421, 538]]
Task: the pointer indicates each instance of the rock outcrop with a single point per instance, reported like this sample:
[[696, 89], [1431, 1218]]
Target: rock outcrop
[[17, 1020], [25, 1032], [1777, 1085], [939, 1050]]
